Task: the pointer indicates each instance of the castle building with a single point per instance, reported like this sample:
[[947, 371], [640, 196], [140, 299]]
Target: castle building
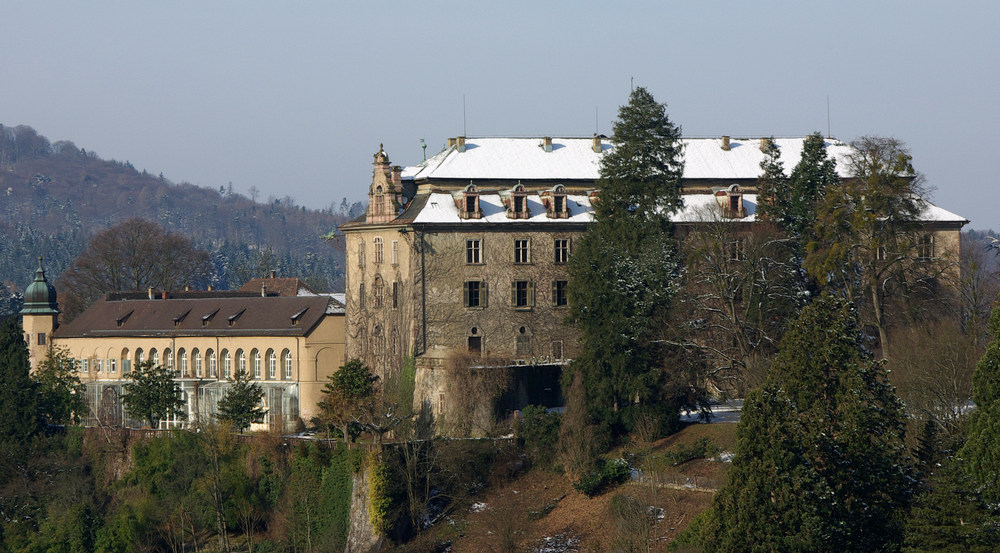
[[285, 337], [466, 253]]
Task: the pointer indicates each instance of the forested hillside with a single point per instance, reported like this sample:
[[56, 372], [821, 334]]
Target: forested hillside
[[55, 196]]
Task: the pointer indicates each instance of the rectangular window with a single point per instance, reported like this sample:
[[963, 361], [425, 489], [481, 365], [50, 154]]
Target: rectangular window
[[560, 298], [378, 249], [473, 251], [41, 338], [557, 350], [84, 365], [561, 250], [925, 247], [99, 365], [522, 251], [395, 252], [475, 293], [111, 365], [736, 250], [361, 254], [395, 295], [522, 294], [524, 346], [880, 253], [361, 295], [475, 344]]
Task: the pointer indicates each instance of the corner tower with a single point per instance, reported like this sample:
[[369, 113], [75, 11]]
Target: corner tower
[[385, 192], [40, 316]]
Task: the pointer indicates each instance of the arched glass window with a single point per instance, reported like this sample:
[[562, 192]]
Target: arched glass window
[[140, 356], [286, 361], [378, 291], [213, 366], [182, 361], [227, 364], [255, 354], [196, 361], [272, 365], [241, 362], [154, 357], [168, 359], [126, 362]]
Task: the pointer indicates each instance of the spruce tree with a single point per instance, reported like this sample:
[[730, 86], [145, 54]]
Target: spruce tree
[[624, 269], [807, 184], [240, 405], [981, 453], [18, 399], [820, 461], [772, 186]]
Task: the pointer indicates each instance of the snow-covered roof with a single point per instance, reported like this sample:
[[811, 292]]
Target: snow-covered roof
[[697, 208], [575, 159], [441, 208]]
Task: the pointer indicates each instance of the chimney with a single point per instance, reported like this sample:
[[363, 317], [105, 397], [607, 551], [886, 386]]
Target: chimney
[[152, 296], [263, 290], [397, 176], [725, 142], [164, 295], [273, 273], [187, 287], [765, 144], [460, 142], [451, 142], [597, 144], [209, 287], [547, 143]]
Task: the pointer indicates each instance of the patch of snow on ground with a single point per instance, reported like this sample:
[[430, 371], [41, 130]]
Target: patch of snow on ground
[[726, 457], [478, 507], [559, 543]]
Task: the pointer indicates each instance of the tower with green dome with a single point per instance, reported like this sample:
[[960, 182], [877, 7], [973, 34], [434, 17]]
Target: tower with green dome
[[40, 316]]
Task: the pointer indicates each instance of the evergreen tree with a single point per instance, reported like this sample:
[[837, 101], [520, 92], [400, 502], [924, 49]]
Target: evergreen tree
[[18, 400], [60, 392], [949, 517], [772, 186], [981, 453], [344, 393], [807, 184], [240, 405], [820, 462], [152, 395], [625, 268]]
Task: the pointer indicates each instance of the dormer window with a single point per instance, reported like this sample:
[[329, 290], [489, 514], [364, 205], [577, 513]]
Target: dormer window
[[207, 318], [469, 206], [731, 202], [121, 320], [379, 201], [556, 206], [235, 316], [517, 205], [298, 316]]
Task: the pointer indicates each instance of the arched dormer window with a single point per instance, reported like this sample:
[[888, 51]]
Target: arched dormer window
[[469, 208], [517, 206], [555, 202], [379, 201]]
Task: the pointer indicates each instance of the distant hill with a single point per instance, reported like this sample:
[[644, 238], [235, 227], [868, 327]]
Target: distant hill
[[55, 196]]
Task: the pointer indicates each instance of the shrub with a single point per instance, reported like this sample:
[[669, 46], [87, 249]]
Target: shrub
[[538, 431], [607, 473]]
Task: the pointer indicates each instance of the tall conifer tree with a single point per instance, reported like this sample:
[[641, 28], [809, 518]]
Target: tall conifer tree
[[624, 270], [981, 453], [820, 460], [18, 400]]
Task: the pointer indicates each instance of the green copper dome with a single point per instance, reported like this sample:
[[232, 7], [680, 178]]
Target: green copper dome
[[40, 297]]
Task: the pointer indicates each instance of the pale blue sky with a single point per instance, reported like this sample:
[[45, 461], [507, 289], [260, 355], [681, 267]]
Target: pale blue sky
[[294, 98]]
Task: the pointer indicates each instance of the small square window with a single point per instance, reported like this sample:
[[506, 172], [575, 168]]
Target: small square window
[[557, 349], [522, 251], [925, 247], [735, 250], [524, 346], [41, 338]]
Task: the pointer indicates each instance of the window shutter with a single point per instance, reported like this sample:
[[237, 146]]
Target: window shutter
[[465, 291], [531, 293], [513, 294], [554, 292], [484, 296]]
